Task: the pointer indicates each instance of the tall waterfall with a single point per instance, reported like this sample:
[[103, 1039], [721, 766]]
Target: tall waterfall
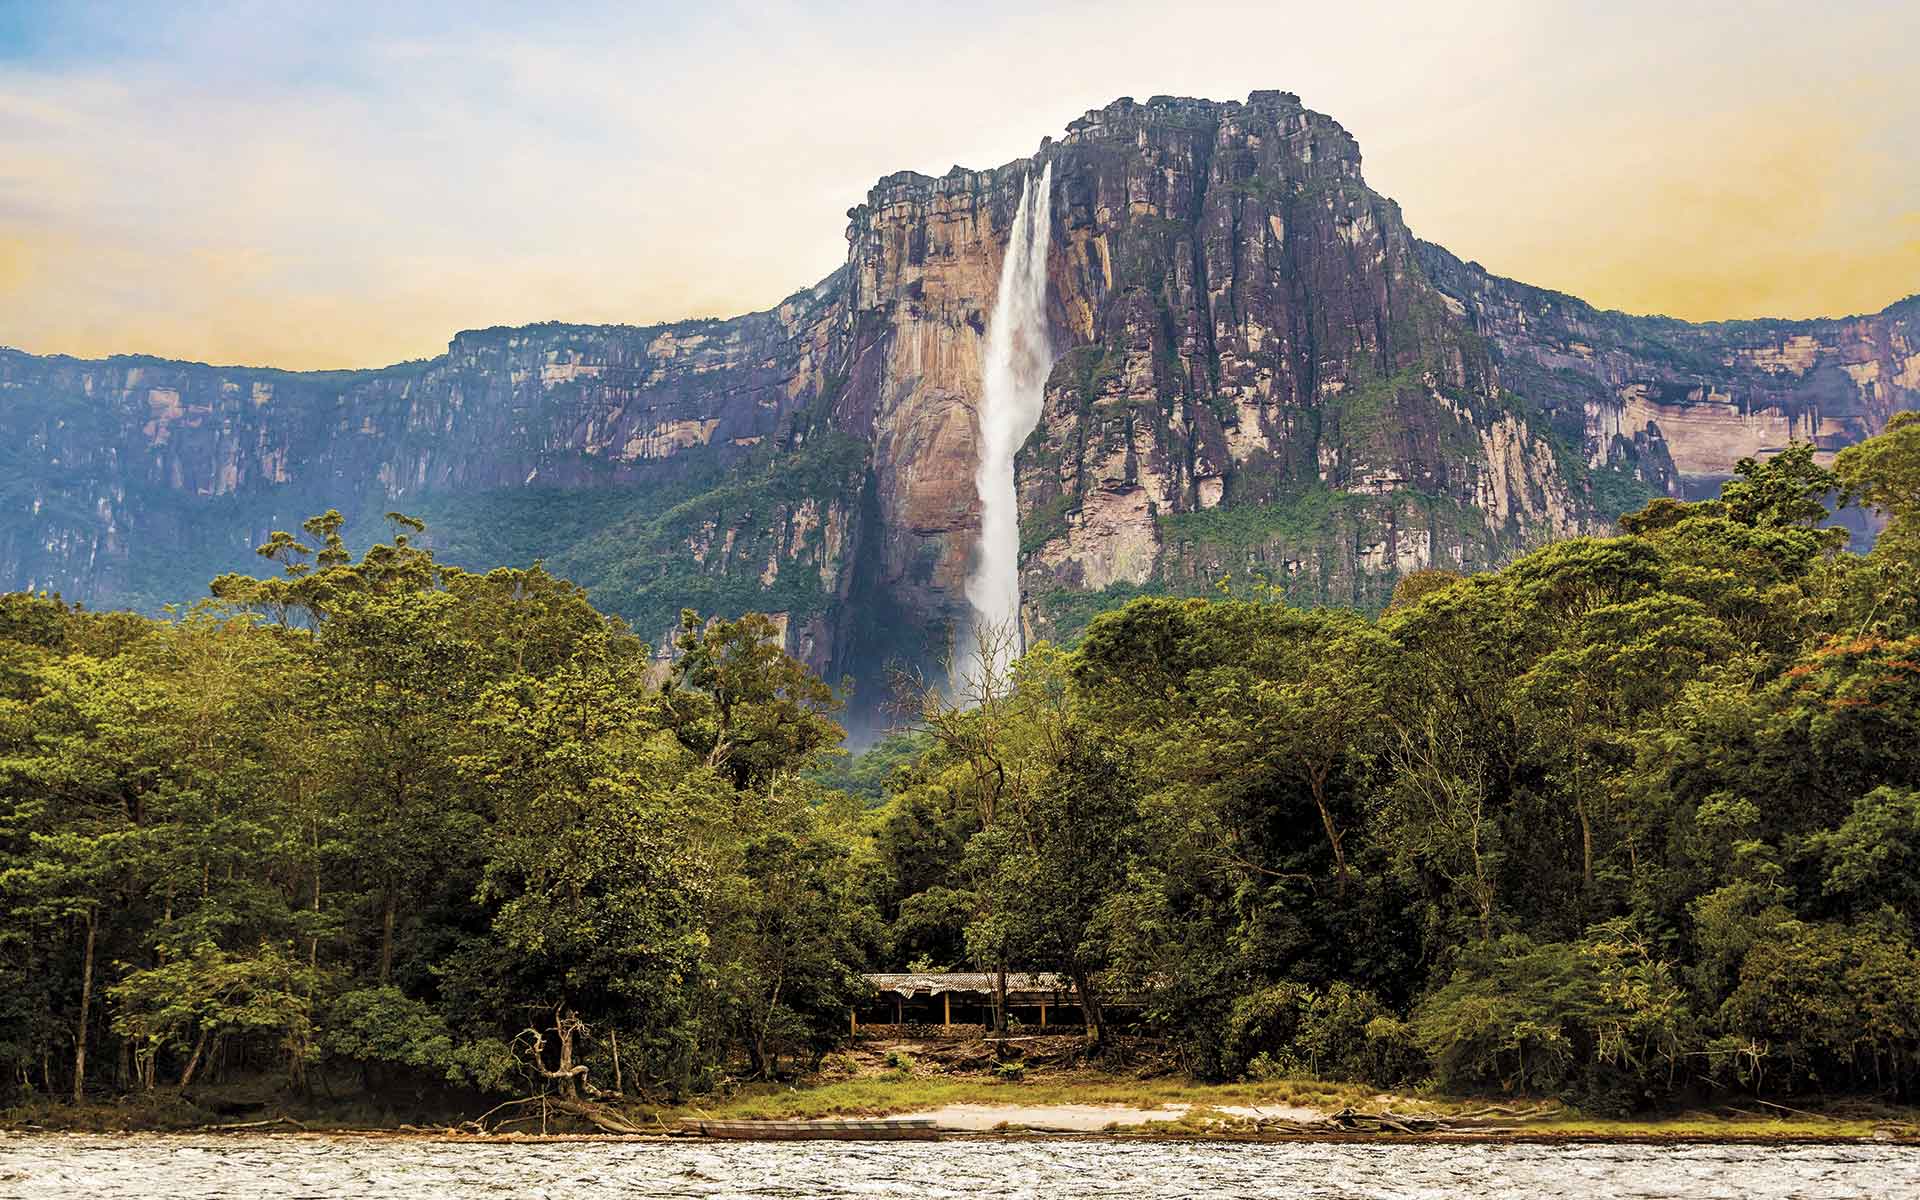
[[1018, 357]]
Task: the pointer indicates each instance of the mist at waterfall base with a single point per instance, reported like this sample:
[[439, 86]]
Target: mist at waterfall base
[[1019, 355]]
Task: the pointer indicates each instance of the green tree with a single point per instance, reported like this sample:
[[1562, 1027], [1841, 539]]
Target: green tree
[[1827, 1005], [746, 706], [596, 861], [193, 999]]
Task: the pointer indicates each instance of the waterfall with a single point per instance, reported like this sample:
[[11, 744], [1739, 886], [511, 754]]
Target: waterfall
[[1014, 377]]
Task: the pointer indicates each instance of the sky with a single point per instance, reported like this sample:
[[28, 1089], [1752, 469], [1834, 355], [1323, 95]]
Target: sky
[[349, 183]]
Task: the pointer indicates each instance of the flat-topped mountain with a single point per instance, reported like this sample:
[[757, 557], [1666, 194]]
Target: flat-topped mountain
[[1259, 370]]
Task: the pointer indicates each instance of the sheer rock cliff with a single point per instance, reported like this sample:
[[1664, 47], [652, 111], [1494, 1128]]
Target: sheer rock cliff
[[1262, 375]]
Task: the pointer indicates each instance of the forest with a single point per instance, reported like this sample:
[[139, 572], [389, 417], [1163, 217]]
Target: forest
[[1633, 820]]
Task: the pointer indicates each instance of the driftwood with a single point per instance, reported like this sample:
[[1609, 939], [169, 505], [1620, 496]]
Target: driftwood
[[1519, 1111], [1490, 1119], [602, 1117], [283, 1120], [1382, 1122], [1798, 1112]]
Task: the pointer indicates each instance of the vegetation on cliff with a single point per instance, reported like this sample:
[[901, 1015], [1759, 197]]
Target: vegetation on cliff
[[1631, 820]]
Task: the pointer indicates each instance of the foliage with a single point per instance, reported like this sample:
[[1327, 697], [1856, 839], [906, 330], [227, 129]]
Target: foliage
[[1630, 820], [1306, 514], [1600, 1019], [432, 825]]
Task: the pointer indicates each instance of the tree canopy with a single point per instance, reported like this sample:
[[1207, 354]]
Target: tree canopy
[[1632, 818]]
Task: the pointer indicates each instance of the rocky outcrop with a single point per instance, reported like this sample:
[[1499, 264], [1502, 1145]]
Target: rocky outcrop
[[114, 465], [1261, 375], [1677, 403]]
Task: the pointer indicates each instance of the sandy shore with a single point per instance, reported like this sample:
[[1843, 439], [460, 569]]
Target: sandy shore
[[1085, 1118]]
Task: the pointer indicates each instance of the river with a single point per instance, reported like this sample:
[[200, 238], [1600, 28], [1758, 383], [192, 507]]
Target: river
[[241, 1167]]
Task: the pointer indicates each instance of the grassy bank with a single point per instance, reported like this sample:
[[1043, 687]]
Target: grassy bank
[[896, 1078], [1209, 1108], [885, 1095]]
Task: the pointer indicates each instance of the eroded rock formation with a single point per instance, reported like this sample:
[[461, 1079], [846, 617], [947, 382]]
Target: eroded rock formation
[[1261, 374]]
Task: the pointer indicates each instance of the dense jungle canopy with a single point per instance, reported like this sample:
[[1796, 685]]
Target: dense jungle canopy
[[1632, 819]]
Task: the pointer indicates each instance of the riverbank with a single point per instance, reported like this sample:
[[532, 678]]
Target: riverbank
[[1293, 1110], [1093, 1106], [1050, 1094]]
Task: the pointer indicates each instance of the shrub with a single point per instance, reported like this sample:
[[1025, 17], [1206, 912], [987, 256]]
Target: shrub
[[1342, 1033], [1827, 1005], [1598, 1022]]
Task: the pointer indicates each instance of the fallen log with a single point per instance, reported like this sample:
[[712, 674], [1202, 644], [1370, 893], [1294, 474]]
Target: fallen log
[[603, 1118], [254, 1124], [1798, 1112], [1353, 1121], [1523, 1112]]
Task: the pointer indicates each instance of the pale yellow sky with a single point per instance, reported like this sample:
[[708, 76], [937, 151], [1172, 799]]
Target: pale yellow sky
[[351, 188]]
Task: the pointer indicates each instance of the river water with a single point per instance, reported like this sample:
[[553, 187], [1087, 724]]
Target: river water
[[155, 1167]]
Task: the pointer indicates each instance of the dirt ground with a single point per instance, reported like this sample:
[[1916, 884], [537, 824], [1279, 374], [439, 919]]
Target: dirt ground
[[972, 1053]]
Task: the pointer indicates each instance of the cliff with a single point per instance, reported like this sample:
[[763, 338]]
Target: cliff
[[1679, 402], [1261, 373]]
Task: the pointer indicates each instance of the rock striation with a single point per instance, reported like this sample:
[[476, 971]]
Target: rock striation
[[1260, 374], [1681, 403]]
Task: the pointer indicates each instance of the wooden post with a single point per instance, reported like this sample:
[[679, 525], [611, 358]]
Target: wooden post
[[946, 1017], [1043, 1014], [853, 1021], [899, 1017]]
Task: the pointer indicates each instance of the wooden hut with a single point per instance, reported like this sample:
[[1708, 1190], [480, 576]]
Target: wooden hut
[[961, 1000]]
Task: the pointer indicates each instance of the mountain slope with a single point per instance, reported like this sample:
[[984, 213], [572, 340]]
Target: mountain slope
[[1261, 372]]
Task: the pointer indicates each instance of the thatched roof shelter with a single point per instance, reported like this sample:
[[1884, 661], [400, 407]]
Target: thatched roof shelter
[[909, 984]]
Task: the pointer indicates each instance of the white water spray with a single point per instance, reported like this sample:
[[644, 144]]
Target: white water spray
[[1018, 357]]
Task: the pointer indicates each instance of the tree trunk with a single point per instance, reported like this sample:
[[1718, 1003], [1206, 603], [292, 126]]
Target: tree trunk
[[193, 1062], [563, 1028], [390, 903], [1000, 1000], [80, 1028], [1090, 1011], [570, 1076], [764, 1061], [1318, 779]]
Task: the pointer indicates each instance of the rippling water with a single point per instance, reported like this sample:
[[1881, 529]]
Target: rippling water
[[287, 1167]]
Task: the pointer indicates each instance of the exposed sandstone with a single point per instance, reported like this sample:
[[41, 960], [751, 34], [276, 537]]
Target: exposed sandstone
[[1261, 373], [1679, 404]]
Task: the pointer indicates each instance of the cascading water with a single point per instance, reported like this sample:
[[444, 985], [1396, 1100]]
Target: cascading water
[[1018, 357]]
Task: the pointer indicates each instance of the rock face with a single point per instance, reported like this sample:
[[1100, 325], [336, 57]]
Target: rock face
[[1680, 403], [111, 471], [1261, 374]]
